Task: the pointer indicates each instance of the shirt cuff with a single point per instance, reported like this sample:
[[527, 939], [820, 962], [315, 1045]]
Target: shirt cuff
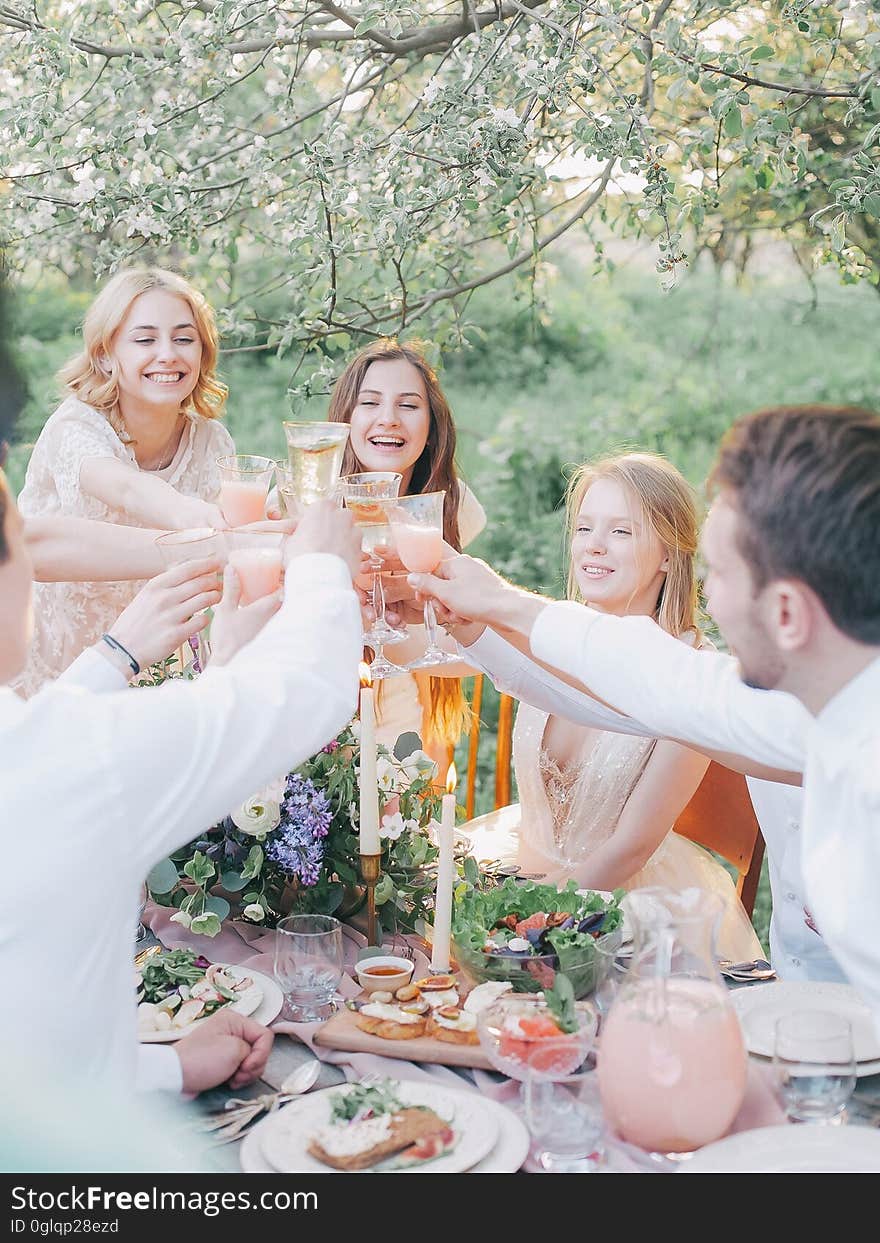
[[93, 672], [158, 1070], [560, 631], [315, 569]]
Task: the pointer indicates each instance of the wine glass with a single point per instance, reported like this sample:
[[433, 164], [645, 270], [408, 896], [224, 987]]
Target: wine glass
[[193, 544], [563, 1113], [814, 1065], [365, 495], [245, 480], [417, 528], [315, 452], [308, 965]]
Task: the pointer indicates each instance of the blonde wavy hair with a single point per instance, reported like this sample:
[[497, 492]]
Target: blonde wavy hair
[[668, 506], [85, 378]]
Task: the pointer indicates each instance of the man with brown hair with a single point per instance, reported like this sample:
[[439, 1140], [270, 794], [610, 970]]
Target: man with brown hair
[[792, 544]]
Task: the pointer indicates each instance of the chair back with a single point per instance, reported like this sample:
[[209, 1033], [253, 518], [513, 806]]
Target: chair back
[[720, 816], [503, 753]]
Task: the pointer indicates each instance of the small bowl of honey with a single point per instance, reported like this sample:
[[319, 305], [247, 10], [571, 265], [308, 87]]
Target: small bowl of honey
[[384, 973]]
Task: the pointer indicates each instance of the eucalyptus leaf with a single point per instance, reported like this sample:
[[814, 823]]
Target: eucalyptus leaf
[[162, 878]]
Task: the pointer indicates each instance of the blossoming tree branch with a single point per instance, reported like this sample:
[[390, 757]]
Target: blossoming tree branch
[[343, 171]]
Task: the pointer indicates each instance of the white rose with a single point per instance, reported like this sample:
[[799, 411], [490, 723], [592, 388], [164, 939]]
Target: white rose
[[257, 816], [254, 911]]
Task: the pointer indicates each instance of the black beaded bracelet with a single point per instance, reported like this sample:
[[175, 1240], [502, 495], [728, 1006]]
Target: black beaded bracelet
[[117, 646]]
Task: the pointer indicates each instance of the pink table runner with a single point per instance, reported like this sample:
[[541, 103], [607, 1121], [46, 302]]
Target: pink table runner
[[248, 946]]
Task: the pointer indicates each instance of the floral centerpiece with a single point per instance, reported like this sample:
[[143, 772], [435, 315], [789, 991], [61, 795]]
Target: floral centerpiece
[[294, 846]]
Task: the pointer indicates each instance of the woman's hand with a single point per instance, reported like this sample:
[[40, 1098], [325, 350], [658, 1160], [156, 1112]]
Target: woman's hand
[[193, 512], [171, 607], [236, 625]]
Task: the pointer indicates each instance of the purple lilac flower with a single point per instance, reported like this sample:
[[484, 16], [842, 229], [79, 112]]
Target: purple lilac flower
[[331, 747], [195, 647], [297, 844]]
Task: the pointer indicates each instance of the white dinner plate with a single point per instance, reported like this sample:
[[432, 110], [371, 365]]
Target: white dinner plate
[[759, 1008], [506, 1157], [263, 1001], [791, 1150], [285, 1134]]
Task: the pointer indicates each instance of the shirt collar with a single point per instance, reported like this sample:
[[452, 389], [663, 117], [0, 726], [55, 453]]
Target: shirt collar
[[853, 710]]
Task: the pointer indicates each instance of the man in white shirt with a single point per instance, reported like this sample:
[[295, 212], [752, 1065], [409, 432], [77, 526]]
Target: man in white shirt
[[94, 788], [793, 549]]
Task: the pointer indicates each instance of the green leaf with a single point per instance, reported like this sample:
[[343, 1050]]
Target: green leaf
[[218, 906], [200, 869], [162, 878], [762, 53], [207, 925], [872, 204], [838, 233], [253, 864], [764, 177], [733, 122], [232, 882]]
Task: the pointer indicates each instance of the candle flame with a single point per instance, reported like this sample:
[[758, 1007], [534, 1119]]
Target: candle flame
[[451, 779], [364, 672]]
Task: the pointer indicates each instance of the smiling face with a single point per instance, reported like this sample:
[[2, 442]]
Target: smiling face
[[743, 617], [157, 353], [391, 418], [16, 589], [618, 561]]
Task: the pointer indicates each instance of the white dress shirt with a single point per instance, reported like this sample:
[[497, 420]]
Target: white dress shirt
[[698, 697], [95, 788]]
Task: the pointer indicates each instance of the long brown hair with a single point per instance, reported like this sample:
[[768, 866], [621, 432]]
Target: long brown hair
[[84, 375], [435, 471], [667, 503]]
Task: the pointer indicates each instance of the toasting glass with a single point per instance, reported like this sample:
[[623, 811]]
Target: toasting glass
[[417, 528], [368, 496]]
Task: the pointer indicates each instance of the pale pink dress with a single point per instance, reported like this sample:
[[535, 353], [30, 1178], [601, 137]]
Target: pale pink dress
[[68, 617]]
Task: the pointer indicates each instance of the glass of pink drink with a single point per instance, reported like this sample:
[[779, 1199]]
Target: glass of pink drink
[[417, 527], [244, 486], [256, 558], [672, 1059]]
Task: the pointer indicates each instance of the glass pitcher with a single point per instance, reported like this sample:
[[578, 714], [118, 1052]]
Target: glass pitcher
[[672, 1060]]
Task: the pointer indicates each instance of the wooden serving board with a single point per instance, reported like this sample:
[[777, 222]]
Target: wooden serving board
[[342, 1032]]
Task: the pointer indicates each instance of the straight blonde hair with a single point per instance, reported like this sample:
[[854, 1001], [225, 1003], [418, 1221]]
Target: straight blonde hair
[[85, 377], [668, 506]]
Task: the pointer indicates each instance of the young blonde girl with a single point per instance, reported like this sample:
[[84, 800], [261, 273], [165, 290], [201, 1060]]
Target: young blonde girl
[[401, 421], [135, 442]]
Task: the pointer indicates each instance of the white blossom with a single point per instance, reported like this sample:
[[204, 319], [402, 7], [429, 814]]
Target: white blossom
[[181, 917], [257, 816], [254, 912]]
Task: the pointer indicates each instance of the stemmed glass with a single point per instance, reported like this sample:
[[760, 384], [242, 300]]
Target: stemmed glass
[[308, 965], [193, 544], [315, 452], [365, 495], [245, 480], [814, 1065], [417, 528]]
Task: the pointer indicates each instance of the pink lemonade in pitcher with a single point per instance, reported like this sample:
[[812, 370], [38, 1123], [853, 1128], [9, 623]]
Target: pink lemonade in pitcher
[[242, 501], [258, 570], [420, 548], [672, 1064]]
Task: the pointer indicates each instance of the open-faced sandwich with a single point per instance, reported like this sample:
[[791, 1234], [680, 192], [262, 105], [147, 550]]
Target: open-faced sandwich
[[429, 1007], [369, 1125], [177, 988]]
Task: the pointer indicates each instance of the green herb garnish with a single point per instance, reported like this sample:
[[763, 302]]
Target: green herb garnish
[[560, 1003], [163, 973], [363, 1099]]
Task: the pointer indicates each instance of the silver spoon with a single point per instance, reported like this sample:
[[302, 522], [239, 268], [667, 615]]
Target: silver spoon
[[297, 1082]]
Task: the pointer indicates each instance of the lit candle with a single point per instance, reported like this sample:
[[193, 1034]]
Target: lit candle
[[445, 875], [369, 791]]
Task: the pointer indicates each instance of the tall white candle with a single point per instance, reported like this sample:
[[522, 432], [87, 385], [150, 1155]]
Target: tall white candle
[[369, 786], [445, 876]]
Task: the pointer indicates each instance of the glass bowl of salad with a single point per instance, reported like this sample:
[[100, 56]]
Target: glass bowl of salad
[[525, 934], [526, 1036]]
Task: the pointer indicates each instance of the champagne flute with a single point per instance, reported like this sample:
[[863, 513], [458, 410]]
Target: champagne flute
[[315, 452], [417, 527], [367, 496]]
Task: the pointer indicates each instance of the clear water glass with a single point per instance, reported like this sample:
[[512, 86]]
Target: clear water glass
[[193, 544], [814, 1065], [308, 965], [564, 1117]]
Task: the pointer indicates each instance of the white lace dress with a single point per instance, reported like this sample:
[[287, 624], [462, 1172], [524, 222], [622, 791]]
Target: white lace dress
[[68, 617], [566, 814]]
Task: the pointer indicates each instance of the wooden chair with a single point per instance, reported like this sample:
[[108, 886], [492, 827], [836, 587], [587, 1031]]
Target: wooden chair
[[719, 816]]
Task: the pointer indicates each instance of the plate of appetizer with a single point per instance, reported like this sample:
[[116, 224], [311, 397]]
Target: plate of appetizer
[[385, 1126], [176, 989]]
